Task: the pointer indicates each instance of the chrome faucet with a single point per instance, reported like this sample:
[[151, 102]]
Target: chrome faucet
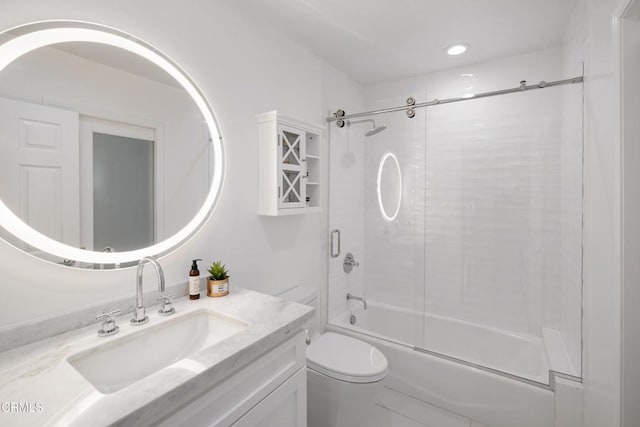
[[364, 301], [139, 313]]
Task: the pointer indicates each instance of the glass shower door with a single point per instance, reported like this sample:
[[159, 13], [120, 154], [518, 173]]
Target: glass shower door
[[394, 224], [503, 229], [374, 181]]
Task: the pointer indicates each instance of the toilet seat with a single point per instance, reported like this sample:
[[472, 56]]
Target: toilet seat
[[346, 359]]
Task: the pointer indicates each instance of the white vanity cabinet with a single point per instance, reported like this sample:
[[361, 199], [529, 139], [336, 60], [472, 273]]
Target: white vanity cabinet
[[288, 165], [271, 391]]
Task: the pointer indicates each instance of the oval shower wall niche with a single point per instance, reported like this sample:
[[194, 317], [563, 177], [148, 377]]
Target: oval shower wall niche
[[389, 186]]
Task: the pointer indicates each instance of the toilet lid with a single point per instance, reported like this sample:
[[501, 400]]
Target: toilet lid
[[347, 359]]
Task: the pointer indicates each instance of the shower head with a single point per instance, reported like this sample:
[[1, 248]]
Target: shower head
[[374, 129]]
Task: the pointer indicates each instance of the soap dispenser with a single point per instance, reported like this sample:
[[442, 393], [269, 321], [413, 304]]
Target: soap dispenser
[[194, 280]]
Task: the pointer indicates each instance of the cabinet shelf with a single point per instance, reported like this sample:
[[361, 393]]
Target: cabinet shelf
[[289, 165]]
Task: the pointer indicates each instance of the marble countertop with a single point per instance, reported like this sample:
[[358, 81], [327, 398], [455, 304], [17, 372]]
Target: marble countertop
[[52, 393]]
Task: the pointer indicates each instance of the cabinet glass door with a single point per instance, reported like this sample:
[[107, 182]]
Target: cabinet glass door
[[291, 147]]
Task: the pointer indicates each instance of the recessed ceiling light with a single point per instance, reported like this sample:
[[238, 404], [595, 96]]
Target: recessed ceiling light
[[456, 49]]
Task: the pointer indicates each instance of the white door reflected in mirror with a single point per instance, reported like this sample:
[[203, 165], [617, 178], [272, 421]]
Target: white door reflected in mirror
[[79, 82], [389, 186]]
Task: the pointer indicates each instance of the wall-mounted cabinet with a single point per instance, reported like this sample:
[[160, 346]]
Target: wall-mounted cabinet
[[288, 165]]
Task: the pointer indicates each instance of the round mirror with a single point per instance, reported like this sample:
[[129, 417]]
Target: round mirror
[[108, 150], [389, 186]]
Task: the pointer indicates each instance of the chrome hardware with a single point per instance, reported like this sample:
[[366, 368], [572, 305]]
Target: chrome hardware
[[109, 326], [338, 115], [67, 262], [352, 319], [139, 313], [542, 84], [166, 309], [361, 299], [306, 335], [349, 262], [411, 112], [522, 87], [337, 253]]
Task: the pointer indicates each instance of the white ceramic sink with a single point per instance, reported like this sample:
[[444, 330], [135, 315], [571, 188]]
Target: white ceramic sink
[[124, 360]]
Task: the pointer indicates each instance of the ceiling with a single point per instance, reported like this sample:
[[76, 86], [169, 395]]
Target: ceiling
[[120, 59], [380, 40]]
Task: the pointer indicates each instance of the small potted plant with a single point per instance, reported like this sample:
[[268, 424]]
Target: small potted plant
[[218, 281]]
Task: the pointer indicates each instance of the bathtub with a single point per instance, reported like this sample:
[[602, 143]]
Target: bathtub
[[518, 355], [482, 374]]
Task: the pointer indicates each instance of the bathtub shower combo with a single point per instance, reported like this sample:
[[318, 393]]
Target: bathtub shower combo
[[456, 232]]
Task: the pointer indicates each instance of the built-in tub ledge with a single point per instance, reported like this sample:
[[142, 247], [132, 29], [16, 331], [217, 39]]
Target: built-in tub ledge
[[559, 358]]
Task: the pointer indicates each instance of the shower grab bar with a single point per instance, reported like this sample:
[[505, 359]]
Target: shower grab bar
[[333, 233]]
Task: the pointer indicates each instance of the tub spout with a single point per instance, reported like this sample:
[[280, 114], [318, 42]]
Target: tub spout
[[363, 300]]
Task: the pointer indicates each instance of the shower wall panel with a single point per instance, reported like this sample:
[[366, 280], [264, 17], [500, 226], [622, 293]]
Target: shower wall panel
[[503, 210]]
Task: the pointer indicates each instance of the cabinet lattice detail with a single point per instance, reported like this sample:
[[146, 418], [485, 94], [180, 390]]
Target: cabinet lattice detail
[[290, 169]]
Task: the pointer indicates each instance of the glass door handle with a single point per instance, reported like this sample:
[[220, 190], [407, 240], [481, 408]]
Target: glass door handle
[[334, 234]]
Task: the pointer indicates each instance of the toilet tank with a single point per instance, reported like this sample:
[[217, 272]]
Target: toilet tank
[[308, 296]]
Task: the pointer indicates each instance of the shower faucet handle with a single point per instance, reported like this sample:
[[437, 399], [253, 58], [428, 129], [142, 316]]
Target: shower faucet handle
[[349, 262]]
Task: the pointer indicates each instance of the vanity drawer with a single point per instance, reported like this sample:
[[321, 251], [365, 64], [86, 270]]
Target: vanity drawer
[[227, 402]]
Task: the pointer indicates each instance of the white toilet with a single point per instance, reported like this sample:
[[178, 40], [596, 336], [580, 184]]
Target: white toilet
[[344, 374]]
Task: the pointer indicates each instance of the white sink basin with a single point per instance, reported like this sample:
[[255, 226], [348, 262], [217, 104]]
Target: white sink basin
[[123, 361]]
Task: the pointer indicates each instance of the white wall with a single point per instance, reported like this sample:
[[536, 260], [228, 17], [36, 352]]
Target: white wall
[[244, 67], [591, 35], [631, 212]]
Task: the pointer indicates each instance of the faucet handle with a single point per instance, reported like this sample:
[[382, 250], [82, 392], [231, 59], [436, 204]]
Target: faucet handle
[[109, 315], [166, 308], [109, 326], [349, 262]]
